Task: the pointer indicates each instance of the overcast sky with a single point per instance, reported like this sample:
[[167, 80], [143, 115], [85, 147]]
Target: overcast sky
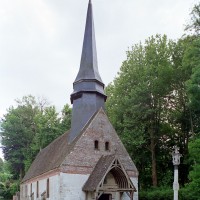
[[41, 41]]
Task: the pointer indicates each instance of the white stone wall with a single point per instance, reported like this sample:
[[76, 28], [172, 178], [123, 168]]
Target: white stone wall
[[42, 186], [66, 187], [71, 186], [54, 188], [125, 197]]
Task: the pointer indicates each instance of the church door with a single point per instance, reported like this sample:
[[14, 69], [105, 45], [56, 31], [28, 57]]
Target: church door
[[105, 197]]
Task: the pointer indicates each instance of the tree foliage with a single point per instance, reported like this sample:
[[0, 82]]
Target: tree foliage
[[150, 105], [194, 25], [18, 132], [8, 186], [153, 103], [192, 190], [139, 99], [29, 127]]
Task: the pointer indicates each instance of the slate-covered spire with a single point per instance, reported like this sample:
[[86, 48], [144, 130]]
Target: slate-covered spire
[[88, 95], [89, 67]]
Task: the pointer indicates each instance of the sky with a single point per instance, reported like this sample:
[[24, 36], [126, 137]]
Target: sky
[[41, 41]]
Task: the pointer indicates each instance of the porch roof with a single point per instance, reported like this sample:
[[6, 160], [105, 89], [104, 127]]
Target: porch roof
[[106, 164]]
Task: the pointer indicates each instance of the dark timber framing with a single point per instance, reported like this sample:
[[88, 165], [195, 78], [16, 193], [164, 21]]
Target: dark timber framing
[[109, 164]]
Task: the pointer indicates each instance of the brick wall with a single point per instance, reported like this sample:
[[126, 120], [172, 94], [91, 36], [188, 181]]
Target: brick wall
[[84, 157]]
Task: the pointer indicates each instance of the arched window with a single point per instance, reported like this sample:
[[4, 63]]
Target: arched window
[[96, 144], [107, 146]]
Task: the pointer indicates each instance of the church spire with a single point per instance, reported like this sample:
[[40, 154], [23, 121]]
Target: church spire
[[89, 67], [88, 95]]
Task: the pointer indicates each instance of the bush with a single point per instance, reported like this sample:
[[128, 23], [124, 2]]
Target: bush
[[166, 193], [160, 193]]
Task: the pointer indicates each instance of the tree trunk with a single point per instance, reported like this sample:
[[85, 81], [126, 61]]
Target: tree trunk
[[153, 162], [191, 122]]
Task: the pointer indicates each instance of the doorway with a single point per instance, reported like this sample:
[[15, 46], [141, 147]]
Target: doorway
[[105, 197]]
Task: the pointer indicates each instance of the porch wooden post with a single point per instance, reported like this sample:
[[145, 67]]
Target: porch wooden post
[[131, 195]]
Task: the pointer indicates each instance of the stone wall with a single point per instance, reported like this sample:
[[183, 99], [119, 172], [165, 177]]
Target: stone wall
[[54, 188], [71, 186]]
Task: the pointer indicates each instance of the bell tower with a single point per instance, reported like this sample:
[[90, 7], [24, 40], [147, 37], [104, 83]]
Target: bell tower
[[88, 95]]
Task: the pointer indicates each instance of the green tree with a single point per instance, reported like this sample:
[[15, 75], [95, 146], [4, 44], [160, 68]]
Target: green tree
[[1, 165], [18, 132], [138, 100], [194, 25], [192, 85], [6, 182], [193, 189], [29, 127], [46, 130], [179, 114], [65, 122], [48, 127]]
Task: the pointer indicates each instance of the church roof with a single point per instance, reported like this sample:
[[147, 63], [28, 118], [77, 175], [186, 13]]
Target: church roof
[[50, 157], [98, 172]]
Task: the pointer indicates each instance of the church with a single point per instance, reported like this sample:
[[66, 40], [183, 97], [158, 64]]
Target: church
[[88, 162]]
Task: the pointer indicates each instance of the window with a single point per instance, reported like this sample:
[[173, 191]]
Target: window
[[31, 189], [37, 189], [96, 144], [107, 146], [47, 188]]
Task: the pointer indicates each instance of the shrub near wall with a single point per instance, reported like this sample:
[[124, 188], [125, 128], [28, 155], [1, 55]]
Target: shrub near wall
[[156, 194], [163, 193]]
